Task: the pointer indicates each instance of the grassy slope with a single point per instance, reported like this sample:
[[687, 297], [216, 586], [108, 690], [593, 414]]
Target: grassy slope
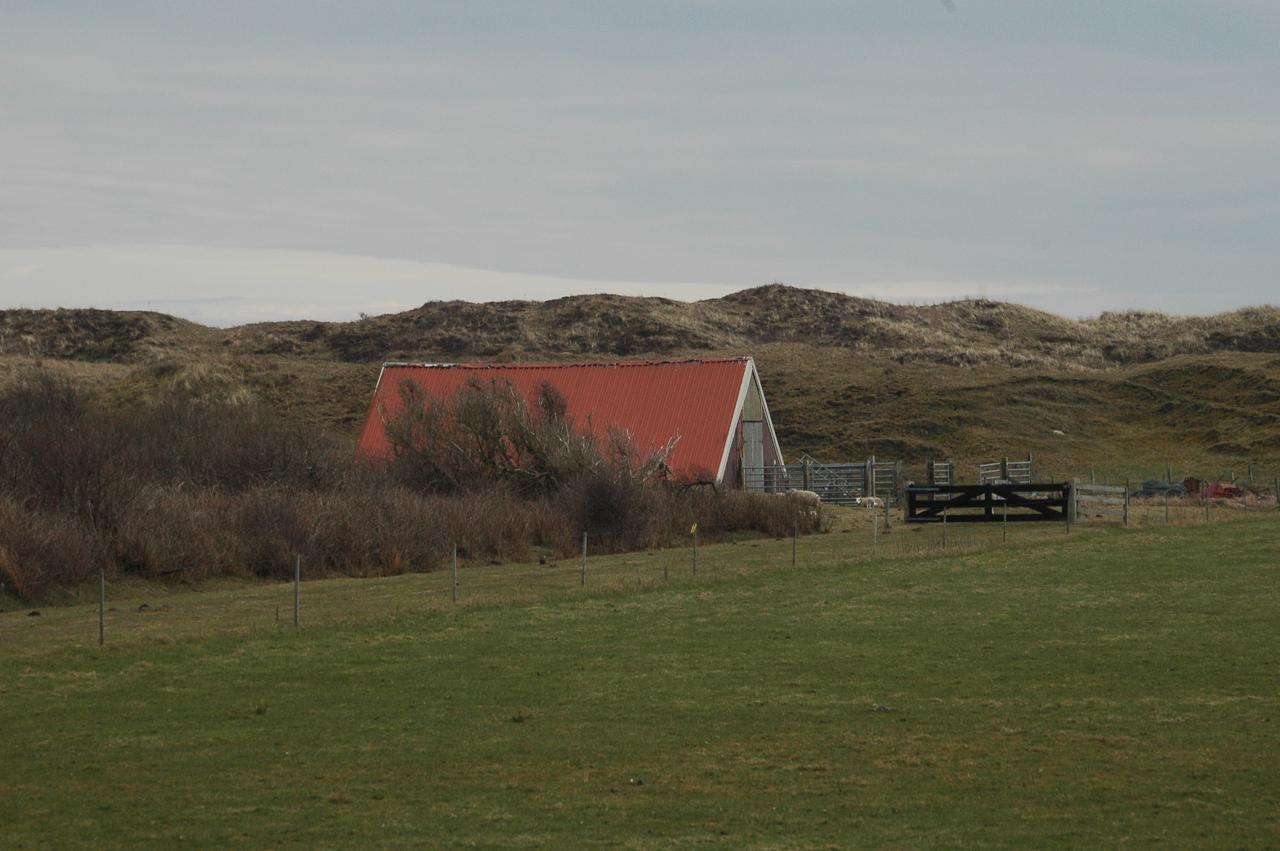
[[845, 377], [1111, 687], [1205, 414]]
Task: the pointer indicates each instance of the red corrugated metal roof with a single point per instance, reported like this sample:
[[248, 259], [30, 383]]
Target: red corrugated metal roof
[[693, 400]]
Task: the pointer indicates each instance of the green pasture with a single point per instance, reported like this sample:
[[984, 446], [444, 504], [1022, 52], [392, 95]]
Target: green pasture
[[1104, 688]]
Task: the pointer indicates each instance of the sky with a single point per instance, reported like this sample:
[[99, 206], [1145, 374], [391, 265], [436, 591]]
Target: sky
[[243, 161]]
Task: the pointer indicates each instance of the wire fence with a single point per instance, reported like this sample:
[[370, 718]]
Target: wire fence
[[133, 612]]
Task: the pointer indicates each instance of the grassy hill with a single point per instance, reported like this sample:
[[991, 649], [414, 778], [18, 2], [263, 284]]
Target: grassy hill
[[1096, 690], [1124, 393]]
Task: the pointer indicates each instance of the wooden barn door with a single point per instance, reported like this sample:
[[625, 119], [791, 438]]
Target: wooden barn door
[[753, 454]]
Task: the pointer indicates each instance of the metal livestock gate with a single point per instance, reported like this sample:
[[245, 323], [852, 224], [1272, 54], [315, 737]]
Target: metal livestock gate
[[940, 472], [1004, 470], [839, 484]]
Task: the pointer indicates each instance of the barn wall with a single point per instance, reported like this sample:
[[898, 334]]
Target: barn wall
[[752, 411]]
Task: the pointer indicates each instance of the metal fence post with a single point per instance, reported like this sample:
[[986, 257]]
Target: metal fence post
[[795, 536], [297, 587], [455, 573], [944, 527], [1126, 502], [102, 604], [584, 559], [1004, 524], [1166, 506]]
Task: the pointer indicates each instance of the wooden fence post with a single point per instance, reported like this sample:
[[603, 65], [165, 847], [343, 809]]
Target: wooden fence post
[[944, 527], [695, 549], [1004, 524], [1073, 502]]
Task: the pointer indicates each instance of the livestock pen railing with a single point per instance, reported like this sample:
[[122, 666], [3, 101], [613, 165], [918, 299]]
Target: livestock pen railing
[[773, 478], [839, 484], [1103, 501], [1004, 470]]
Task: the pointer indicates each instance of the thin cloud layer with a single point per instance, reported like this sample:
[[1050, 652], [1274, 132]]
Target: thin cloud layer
[[1108, 154], [237, 286]]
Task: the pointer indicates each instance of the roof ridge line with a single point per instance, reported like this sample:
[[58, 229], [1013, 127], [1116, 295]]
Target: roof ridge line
[[561, 365]]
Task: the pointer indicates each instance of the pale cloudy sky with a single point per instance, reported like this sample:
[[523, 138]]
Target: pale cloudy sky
[[235, 161]]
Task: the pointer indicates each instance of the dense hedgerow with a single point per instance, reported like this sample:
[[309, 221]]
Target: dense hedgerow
[[188, 487]]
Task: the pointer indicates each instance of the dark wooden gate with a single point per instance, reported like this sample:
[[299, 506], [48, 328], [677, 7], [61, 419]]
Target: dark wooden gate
[[988, 503]]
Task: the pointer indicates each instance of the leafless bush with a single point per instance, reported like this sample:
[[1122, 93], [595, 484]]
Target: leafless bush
[[56, 450], [229, 445], [486, 434], [193, 487], [39, 549]]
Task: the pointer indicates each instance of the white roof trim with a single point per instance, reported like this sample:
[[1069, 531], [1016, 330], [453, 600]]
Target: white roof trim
[[749, 368], [764, 403], [749, 376]]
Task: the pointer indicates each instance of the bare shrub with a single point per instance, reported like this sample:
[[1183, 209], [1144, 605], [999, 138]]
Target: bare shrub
[[40, 548], [167, 531], [372, 532], [741, 511], [189, 485], [232, 445], [486, 434], [57, 451]]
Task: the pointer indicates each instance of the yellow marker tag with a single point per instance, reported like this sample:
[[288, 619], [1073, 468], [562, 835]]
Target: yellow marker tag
[[693, 530]]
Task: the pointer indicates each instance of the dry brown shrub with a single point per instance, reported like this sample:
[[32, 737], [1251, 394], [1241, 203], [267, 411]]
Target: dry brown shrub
[[168, 531], [39, 549], [185, 487]]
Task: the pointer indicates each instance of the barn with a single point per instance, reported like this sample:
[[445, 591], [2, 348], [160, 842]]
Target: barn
[[715, 410]]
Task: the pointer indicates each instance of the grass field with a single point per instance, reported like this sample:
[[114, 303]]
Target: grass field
[[1111, 687]]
